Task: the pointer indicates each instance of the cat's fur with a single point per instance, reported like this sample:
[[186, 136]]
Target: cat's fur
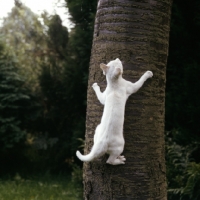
[[108, 137]]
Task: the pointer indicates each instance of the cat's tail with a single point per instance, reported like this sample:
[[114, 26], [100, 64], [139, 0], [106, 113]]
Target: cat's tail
[[85, 158], [97, 150]]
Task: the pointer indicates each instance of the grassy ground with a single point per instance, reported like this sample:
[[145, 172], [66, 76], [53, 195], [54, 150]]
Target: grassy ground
[[40, 188]]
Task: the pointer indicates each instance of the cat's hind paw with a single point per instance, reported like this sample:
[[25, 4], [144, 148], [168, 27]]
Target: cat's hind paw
[[122, 158], [117, 161], [112, 160]]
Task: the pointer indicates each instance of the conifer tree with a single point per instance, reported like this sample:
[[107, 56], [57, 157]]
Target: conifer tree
[[14, 100]]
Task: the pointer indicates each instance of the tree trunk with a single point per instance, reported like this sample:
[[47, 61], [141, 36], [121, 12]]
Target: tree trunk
[[137, 32]]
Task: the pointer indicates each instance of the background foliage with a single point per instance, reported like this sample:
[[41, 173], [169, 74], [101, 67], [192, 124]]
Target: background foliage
[[182, 102], [25, 38], [53, 65], [43, 85], [14, 101]]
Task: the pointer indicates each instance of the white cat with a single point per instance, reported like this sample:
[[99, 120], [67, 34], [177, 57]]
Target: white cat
[[108, 137]]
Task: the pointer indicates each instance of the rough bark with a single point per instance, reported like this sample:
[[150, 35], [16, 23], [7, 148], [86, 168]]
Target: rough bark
[[137, 32]]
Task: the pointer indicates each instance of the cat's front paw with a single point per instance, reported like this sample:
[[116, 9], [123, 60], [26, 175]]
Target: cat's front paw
[[95, 85], [148, 74]]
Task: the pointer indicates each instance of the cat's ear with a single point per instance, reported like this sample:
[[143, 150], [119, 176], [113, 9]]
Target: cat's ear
[[104, 68], [117, 72]]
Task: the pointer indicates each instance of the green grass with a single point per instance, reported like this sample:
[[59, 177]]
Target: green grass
[[40, 188]]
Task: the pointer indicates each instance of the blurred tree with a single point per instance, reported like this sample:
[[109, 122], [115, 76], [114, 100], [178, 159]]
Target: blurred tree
[[54, 64], [64, 82], [26, 38], [18, 3], [40, 51], [77, 65], [58, 37], [52, 134], [12, 98], [17, 106]]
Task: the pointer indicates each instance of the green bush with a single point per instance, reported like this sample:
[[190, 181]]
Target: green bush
[[183, 173]]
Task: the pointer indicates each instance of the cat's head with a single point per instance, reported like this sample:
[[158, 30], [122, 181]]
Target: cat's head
[[113, 69]]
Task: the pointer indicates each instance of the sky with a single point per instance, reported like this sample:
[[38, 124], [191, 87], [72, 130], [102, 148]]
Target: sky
[[38, 6]]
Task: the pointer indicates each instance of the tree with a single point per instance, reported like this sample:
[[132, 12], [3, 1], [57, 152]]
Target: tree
[[15, 101], [137, 32], [26, 38], [77, 65]]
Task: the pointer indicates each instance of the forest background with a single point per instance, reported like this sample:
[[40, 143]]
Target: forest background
[[43, 86]]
